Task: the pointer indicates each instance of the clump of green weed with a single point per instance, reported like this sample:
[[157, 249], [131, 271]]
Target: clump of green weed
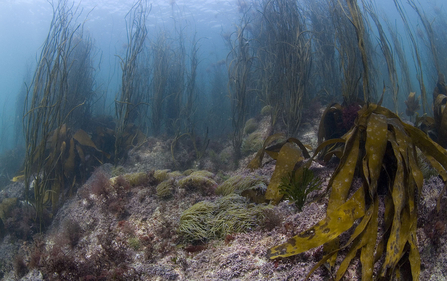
[[165, 188], [134, 243], [298, 185], [214, 220], [250, 126]]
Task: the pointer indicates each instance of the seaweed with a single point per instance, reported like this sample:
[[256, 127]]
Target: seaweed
[[134, 179], [165, 188], [6, 206], [284, 49], [380, 148], [240, 62], [199, 146], [161, 175], [200, 181], [412, 104], [208, 220], [240, 183], [298, 184], [130, 97], [436, 126], [47, 109], [289, 155], [252, 187], [250, 126], [417, 54]]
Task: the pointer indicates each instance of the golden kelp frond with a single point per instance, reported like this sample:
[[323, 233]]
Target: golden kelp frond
[[256, 162], [287, 155], [84, 139], [291, 154], [326, 230], [412, 103], [19, 178], [384, 148]]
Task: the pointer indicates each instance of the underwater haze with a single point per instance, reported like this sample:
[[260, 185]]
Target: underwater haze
[[208, 66], [24, 26]]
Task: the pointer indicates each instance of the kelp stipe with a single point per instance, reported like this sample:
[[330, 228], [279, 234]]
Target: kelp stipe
[[240, 62], [131, 95]]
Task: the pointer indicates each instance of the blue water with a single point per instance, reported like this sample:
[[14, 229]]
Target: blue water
[[24, 26]]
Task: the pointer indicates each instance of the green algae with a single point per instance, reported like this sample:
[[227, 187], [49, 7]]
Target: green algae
[[6, 206], [241, 185], [198, 180], [174, 174], [165, 188], [253, 142], [250, 126], [134, 179], [266, 110], [161, 175], [208, 220], [202, 173], [298, 185]]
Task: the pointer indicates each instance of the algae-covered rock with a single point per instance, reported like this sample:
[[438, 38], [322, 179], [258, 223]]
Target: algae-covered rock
[[202, 173], [213, 220], [266, 110], [165, 188], [198, 180], [175, 174], [161, 175], [252, 187], [250, 126], [252, 143], [134, 179], [188, 172], [6, 206]]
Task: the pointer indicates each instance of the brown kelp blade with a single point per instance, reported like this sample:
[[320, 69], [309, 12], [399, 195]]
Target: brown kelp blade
[[84, 139], [324, 231], [288, 156], [256, 162]]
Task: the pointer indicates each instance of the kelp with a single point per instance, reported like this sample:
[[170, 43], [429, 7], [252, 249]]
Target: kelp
[[256, 162], [284, 49], [379, 148], [436, 126], [336, 121], [130, 97], [419, 69], [46, 108], [199, 146], [288, 155], [412, 104], [240, 63], [388, 54], [439, 112], [357, 20]]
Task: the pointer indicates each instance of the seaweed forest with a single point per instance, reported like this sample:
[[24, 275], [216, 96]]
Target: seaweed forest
[[289, 103]]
